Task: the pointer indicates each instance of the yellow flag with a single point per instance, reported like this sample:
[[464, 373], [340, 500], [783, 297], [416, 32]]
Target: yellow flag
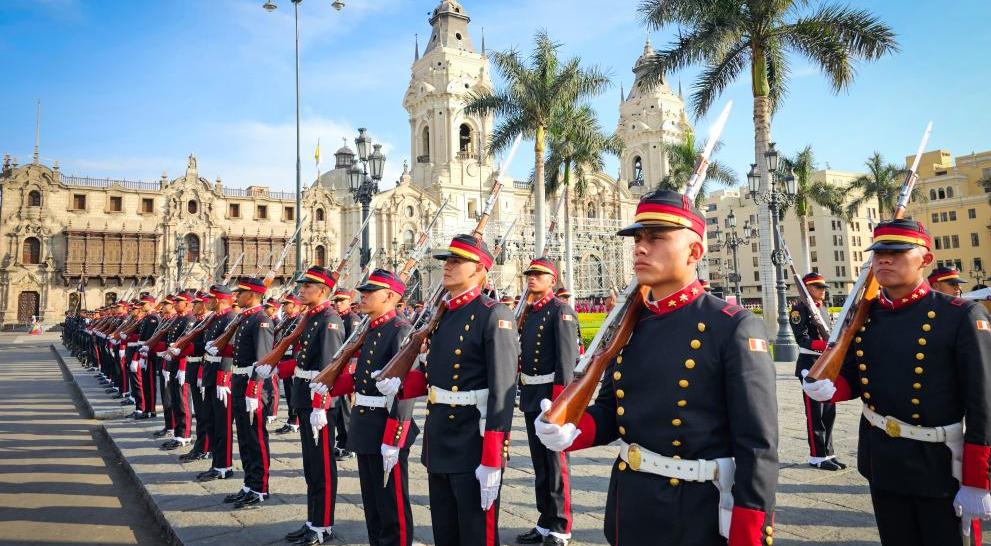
[[317, 154]]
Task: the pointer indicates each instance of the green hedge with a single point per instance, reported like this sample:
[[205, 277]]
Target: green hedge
[[590, 323]]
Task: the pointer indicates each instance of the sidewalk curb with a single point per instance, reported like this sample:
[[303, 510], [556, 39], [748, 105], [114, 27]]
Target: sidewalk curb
[[92, 412]]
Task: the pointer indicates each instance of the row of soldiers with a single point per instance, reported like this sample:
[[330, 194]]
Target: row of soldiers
[[690, 399]]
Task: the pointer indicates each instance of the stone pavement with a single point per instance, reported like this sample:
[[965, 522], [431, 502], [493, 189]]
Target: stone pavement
[[829, 508], [59, 483]]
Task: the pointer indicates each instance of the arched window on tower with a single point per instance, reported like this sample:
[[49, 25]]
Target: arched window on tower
[[408, 241], [32, 251], [425, 144], [637, 172], [932, 195], [192, 248], [320, 215], [949, 192], [34, 198], [319, 255], [591, 211], [942, 193], [464, 138]]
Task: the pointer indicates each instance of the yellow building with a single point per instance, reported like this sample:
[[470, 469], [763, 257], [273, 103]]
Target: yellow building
[[954, 207]]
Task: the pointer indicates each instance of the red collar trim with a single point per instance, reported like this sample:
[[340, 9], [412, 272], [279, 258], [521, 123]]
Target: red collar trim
[[319, 308], [463, 299], [543, 301], [383, 319], [916, 295], [675, 301], [252, 310]]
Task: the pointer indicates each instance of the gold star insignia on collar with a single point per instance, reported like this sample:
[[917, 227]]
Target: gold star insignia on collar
[[915, 296], [695, 291], [672, 303], [904, 300], [683, 297]]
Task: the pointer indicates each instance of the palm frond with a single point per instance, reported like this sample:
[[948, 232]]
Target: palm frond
[[717, 76]]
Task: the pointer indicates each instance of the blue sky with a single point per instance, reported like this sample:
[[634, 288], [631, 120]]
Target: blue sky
[[129, 88]]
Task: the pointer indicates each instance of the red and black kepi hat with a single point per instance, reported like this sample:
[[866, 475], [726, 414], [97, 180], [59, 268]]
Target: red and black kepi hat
[[319, 275], [666, 209], [541, 265], [291, 298], [900, 235], [186, 295], [272, 302], [813, 279], [469, 248], [146, 298], [250, 284], [342, 294], [383, 278], [221, 292], [563, 293], [945, 274]]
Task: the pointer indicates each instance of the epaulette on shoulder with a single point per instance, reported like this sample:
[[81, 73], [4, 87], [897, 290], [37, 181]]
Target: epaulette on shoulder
[[731, 309], [958, 302], [487, 301], [400, 322]]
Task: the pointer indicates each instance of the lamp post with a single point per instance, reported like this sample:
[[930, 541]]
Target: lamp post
[[364, 187], [777, 198], [978, 275], [395, 254], [734, 241], [270, 6], [180, 247]]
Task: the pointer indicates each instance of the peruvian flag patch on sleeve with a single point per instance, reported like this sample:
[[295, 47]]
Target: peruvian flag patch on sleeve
[[332, 326], [757, 345], [507, 324], [984, 325]]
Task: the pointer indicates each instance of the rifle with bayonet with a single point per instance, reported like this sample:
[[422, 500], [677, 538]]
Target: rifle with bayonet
[[858, 304], [401, 363], [500, 248], [523, 305], [803, 291], [618, 327]]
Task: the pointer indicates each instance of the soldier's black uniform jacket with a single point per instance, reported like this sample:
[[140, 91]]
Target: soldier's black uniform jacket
[[176, 330], [146, 328], [350, 320], [251, 341], [926, 360], [475, 346], [548, 346], [695, 381], [212, 332], [322, 337], [805, 332], [372, 427]]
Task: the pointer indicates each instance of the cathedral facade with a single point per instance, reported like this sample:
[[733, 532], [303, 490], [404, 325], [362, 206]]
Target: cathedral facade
[[68, 241]]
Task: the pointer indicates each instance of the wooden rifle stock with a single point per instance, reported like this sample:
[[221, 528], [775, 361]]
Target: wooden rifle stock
[[188, 338], [328, 376], [402, 362], [570, 405], [830, 362], [275, 355]]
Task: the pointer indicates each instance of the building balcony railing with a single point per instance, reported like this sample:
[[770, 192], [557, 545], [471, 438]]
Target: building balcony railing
[[87, 182]]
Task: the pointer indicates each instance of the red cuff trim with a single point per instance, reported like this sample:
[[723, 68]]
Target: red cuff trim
[[187, 350], [319, 401], [414, 385], [182, 364], [975, 466], [843, 390], [818, 345], [556, 391], [495, 448], [223, 379], [287, 368], [395, 432], [159, 347], [227, 351], [343, 385], [199, 373], [252, 388], [587, 437], [746, 527]]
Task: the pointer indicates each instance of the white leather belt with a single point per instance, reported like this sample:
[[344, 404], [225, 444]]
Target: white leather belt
[[193, 359], [537, 379], [133, 343], [287, 354], [370, 401], [160, 354], [242, 370], [804, 351], [211, 358], [721, 472], [306, 375], [478, 398], [897, 428]]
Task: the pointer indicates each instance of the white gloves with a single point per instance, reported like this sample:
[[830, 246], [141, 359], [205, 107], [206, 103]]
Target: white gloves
[[134, 366], [318, 420], [554, 437], [489, 479], [820, 391], [388, 387], [264, 371], [143, 350], [390, 457], [223, 394], [317, 387], [971, 503], [213, 350], [180, 376], [143, 363], [251, 406], [166, 375], [175, 351]]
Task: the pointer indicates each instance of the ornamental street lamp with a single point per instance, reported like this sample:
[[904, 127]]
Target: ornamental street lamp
[[270, 6], [180, 249], [363, 187], [395, 254], [734, 241], [781, 193]]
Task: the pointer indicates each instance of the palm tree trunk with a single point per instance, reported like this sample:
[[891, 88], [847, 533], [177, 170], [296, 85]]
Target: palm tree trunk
[[762, 137], [806, 254], [538, 192]]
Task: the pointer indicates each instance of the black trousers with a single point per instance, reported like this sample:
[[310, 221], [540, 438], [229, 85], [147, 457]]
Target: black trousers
[[168, 411], [223, 429], [388, 515], [182, 414], [203, 411], [291, 412], [906, 520], [456, 512], [149, 384], [819, 418], [135, 381], [271, 387], [319, 470], [342, 419], [551, 481], [252, 437]]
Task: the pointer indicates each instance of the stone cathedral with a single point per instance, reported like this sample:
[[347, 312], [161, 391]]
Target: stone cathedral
[[68, 241]]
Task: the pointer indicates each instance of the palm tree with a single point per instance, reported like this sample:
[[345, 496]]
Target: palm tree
[[810, 192], [534, 90], [881, 183], [681, 158], [576, 145], [729, 37]]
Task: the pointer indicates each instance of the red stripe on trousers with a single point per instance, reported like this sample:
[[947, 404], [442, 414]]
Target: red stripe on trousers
[[808, 424], [328, 480], [397, 481], [185, 405], [275, 395], [566, 482], [260, 426], [230, 431], [490, 525]]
